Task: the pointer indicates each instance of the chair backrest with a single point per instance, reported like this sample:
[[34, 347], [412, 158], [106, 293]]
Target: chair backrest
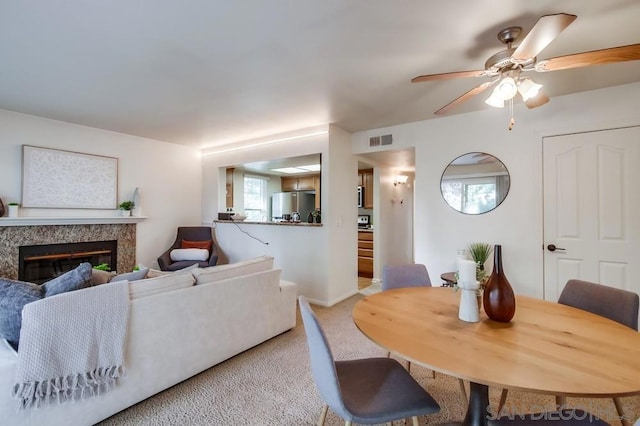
[[194, 233], [615, 304], [323, 367], [408, 275]]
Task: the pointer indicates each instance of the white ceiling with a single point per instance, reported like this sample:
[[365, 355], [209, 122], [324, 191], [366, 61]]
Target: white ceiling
[[209, 72]]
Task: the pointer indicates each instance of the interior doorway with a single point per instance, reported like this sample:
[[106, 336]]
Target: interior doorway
[[591, 203], [391, 212]]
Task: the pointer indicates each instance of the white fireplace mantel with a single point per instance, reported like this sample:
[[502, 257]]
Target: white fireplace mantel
[[31, 221]]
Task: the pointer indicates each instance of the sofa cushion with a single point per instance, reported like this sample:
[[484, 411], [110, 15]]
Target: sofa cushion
[[189, 254], [161, 284], [131, 276], [207, 245], [101, 277], [153, 273], [223, 272], [74, 279], [13, 296]]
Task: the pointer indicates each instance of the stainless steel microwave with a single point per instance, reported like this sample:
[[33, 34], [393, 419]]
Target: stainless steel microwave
[[361, 196]]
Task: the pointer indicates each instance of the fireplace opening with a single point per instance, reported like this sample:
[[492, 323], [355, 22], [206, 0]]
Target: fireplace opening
[[40, 263]]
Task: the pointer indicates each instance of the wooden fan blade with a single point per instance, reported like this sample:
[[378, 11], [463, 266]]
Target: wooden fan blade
[[476, 90], [448, 76], [538, 100], [595, 57], [543, 32]]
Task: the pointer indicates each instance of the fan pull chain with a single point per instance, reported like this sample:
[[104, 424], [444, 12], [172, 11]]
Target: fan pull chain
[[512, 121]]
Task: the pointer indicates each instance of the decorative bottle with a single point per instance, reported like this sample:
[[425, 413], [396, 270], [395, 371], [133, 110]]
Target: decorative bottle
[[499, 301]]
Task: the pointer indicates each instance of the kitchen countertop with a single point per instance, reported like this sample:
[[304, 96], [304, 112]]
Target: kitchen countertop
[[365, 229], [246, 222]]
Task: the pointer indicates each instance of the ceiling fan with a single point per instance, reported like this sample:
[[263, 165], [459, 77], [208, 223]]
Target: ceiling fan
[[509, 64]]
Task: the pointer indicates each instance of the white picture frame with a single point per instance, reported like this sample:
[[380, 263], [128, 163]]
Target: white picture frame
[[53, 178]]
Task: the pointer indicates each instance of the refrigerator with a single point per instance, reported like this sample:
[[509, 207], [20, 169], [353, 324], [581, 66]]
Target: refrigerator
[[287, 202]]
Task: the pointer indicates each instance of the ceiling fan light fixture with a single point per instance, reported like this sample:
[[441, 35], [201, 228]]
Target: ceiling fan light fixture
[[506, 89], [494, 100], [528, 88]]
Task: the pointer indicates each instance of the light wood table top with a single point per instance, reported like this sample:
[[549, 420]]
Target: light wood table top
[[546, 348]]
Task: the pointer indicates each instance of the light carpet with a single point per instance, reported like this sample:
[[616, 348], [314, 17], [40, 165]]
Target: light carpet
[[271, 384]]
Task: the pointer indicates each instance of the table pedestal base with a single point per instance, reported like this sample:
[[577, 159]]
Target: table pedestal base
[[478, 404], [477, 409]]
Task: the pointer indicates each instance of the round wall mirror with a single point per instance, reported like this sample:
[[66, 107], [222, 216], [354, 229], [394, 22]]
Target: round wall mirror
[[475, 183]]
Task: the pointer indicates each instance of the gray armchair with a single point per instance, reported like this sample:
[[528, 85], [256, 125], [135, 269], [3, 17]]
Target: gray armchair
[[189, 233]]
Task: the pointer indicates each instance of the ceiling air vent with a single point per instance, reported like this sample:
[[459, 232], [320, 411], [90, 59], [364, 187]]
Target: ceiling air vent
[[380, 140]]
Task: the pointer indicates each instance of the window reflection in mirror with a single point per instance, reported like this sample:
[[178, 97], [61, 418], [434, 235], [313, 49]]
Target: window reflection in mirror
[[250, 188], [475, 183]]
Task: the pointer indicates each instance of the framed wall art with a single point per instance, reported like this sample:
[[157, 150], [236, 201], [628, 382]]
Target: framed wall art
[[52, 178]]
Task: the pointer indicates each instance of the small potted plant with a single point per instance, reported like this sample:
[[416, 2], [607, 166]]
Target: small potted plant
[[126, 207], [316, 216], [480, 253], [13, 209]]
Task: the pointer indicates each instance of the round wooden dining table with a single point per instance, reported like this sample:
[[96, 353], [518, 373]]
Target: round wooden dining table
[[546, 348]]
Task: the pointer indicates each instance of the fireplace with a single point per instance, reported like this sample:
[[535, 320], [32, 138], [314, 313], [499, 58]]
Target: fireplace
[[40, 263], [14, 237]]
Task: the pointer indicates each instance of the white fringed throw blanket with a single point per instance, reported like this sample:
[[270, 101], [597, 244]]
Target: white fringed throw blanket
[[72, 345]]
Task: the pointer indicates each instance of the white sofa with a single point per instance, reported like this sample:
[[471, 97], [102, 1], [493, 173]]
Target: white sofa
[[179, 326]]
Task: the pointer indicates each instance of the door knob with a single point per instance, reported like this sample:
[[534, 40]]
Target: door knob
[[552, 247]]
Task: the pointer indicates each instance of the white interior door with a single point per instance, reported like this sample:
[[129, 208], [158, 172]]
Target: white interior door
[[592, 209]]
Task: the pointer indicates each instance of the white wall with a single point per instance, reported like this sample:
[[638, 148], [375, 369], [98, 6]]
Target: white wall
[[321, 260], [517, 223], [168, 175], [340, 213]]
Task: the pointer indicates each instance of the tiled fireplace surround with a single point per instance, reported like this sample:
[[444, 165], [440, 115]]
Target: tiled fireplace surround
[[12, 237]]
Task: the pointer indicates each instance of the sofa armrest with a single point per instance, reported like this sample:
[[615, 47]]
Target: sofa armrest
[[289, 293], [288, 286]]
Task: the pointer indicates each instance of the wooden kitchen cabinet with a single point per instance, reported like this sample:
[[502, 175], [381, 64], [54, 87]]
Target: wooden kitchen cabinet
[[305, 183], [229, 187], [316, 187], [365, 179], [368, 190], [289, 184], [302, 183], [365, 254]]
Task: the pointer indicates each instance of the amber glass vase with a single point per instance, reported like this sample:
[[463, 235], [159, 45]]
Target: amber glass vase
[[498, 300]]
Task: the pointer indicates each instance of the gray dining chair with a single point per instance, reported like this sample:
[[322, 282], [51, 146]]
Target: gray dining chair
[[402, 276], [410, 275], [612, 303], [405, 275], [364, 391]]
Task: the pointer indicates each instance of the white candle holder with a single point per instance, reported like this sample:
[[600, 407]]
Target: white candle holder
[[468, 310]]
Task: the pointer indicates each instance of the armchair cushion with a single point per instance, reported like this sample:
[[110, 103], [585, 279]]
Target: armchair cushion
[[186, 244], [189, 254]]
